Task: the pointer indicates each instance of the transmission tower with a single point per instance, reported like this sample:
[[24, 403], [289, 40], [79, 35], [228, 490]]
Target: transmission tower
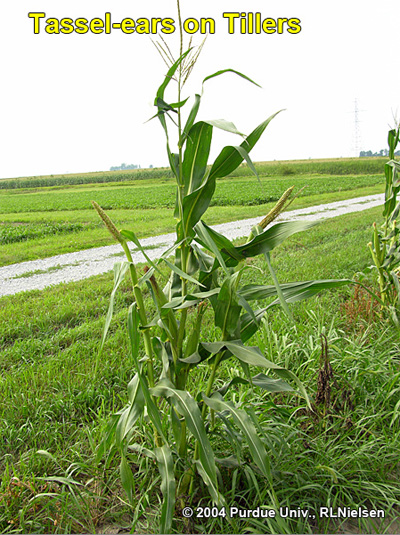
[[357, 134]]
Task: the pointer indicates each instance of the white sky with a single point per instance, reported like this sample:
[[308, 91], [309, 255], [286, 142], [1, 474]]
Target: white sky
[[78, 103]]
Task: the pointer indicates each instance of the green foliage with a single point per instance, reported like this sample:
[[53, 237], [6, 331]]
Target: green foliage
[[385, 244], [204, 277], [52, 400], [20, 233]]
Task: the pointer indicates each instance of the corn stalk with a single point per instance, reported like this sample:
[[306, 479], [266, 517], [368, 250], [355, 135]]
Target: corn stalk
[[204, 279]]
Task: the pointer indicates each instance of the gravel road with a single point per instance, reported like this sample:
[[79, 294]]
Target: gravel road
[[38, 274]]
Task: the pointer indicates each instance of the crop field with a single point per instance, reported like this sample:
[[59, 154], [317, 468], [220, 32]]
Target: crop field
[[43, 221], [335, 446]]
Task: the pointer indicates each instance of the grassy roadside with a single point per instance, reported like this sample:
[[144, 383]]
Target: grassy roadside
[[52, 401]]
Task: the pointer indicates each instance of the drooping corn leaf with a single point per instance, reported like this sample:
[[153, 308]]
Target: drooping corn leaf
[[242, 420], [253, 356], [227, 309], [166, 468], [223, 71], [187, 406], [132, 412], [127, 479], [229, 158], [272, 237], [261, 380], [292, 291]]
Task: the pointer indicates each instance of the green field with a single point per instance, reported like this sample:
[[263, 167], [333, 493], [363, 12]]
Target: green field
[[54, 407], [43, 221]]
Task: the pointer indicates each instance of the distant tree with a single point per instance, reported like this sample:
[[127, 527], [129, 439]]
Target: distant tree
[[124, 167], [382, 152]]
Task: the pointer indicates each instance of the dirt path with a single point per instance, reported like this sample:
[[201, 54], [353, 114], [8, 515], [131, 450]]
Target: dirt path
[[38, 274]]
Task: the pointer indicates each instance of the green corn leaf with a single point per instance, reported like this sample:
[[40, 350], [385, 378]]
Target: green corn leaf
[[194, 205], [245, 155], [166, 468], [249, 354], [227, 126], [292, 291], [229, 158], [187, 406], [120, 269], [181, 273], [212, 487], [132, 412], [249, 325], [170, 74], [191, 119], [133, 331], [242, 420], [130, 235], [261, 380], [271, 385], [207, 239], [279, 291], [223, 244], [190, 300], [196, 156], [227, 309], [127, 479], [254, 357], [272, 237], [176, 105], [218, 73]]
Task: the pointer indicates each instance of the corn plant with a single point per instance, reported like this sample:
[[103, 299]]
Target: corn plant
[[385, 244], [205, 280]]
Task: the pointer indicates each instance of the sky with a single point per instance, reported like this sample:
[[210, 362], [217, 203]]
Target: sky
[[73, 103]]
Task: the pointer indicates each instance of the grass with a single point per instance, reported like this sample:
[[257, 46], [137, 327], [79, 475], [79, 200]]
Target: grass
[[343, 454]]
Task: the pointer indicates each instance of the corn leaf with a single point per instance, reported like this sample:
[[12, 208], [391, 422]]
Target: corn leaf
[[127, 479], [207, 239], [166, 468], [132, 412], [223, 71], [227, 309], [227, 126], [254, 357], [261, 380], [191, 119], [133, 330], [242, 420], [120, 269], [196, 156], [181, 273], [272, 237], [170, 74], [130, 235], [292, 291], [187, 406], [223, 244], [229, 158]]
